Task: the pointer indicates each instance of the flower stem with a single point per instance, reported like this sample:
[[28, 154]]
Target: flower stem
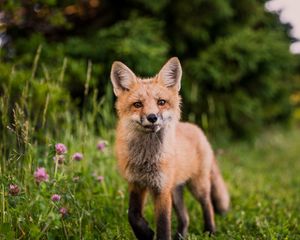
[[56, 165]]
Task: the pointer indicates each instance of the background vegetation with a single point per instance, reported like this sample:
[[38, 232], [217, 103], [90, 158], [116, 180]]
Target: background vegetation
[[239, 78], [238, 72]]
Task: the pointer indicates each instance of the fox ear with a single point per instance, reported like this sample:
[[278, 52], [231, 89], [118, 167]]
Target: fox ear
[[121, 77], [170, 74]]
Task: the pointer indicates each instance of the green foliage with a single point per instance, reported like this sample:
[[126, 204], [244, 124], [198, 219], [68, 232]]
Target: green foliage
[[201, 25], [143, 47], [264, 204], [240, 82], [236, 64], [54, 87], [28, 134]]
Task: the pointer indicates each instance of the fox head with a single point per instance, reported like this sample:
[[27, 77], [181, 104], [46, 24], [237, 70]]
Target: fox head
[[149, 104]]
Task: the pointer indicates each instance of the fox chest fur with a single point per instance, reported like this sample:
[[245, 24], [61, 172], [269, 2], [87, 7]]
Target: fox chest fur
[[145, 152]]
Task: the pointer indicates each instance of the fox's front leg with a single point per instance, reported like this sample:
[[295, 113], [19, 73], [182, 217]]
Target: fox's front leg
[[135, 214], [163, 208]]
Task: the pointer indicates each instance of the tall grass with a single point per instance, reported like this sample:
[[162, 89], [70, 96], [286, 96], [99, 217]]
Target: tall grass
[[262, 176], [29, 132]]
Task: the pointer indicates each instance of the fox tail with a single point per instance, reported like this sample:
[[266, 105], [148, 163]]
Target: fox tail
[[219, 193]]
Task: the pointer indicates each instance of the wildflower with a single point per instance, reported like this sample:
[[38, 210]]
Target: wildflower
[[14, 189], [60, 148], [55, 197], [101, 145], [59, 158], [77, 156], [40, 175], [100, 178], [63, 211]]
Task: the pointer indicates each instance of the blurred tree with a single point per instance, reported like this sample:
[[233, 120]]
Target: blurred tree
[[237, 67]]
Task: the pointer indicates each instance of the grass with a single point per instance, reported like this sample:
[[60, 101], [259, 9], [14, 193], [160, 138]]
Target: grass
[[263, 176], [263, 180], [264, 183]]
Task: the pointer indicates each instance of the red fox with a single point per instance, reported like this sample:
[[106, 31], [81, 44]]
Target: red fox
[[159, 154]]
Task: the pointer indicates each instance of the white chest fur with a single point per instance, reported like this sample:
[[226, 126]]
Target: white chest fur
[[145, 153]]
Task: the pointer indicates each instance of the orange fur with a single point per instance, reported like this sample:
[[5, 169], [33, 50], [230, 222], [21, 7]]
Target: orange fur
[[158, 157]]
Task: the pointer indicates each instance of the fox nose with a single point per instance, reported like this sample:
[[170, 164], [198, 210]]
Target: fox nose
[[152, 118]]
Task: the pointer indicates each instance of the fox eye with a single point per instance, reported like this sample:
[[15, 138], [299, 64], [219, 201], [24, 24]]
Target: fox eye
[[161, 102], [137, 104]]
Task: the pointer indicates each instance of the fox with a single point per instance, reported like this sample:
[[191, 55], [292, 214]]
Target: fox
[[160, 155]]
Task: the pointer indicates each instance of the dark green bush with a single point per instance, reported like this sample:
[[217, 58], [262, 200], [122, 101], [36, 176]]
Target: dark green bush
[[236, 63], [240, 82]]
